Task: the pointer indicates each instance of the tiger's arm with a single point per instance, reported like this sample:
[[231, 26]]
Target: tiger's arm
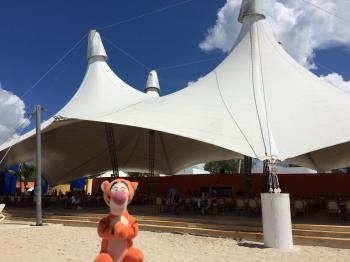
[[133, 228], [126, 231], [104, 230]]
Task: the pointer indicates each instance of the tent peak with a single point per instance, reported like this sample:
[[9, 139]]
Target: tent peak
[[251, 8], [96, 50], [152, 85]]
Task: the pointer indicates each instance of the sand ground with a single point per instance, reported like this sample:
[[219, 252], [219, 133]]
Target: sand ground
[[64, 243]]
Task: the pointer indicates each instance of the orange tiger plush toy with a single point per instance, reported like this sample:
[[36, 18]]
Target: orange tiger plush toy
[[118, 228]]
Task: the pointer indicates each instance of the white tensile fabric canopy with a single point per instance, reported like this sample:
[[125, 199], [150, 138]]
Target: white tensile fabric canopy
[[74, 143], [258, 102]]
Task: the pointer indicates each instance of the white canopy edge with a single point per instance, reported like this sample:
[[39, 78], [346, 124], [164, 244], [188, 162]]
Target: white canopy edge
[[101, 90], [263, 103], [258, 102]]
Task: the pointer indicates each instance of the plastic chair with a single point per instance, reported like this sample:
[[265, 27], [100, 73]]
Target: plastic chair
[[240, 205], [12, 200], [253, 206], [228, 203], [300, 207], [221, 204], [188, 204], [159, 204], [332, 207], [347, 209], [2, 217]]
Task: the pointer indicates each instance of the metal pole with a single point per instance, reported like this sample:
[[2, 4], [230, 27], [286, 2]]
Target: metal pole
[[39, 219], [112, 148]]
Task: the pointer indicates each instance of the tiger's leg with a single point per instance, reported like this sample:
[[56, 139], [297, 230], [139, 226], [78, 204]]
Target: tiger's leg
[[103, 257], [133, 255]]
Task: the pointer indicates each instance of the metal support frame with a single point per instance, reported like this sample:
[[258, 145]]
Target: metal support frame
[[266, 175], [277, 225], [151, 151], [270, 180], [274, 185], [112, 149], [248, 161], [151, 158], [270, 177], [38, 189]]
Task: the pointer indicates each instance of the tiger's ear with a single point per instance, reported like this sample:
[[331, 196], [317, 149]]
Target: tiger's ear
[[104, 186], [134, 185]]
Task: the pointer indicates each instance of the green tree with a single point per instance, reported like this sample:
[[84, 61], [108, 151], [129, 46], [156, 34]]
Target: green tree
[[223, 166], [24, 174], [139, 174], [291, 165]]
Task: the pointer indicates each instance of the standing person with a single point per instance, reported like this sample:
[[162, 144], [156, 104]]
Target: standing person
[[203, 202], [176, 202], [174, 197], [214, 202]]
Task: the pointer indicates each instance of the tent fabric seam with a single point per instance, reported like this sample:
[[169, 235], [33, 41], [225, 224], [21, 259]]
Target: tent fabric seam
[[231, 115], [269, 135], [253, 85]]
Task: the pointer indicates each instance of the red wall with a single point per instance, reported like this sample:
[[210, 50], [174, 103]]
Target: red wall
[[307, 185]]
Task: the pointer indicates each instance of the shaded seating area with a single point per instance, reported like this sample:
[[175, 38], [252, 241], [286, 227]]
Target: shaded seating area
[[306, 206], [224, 194], [339, 208], [206, 206], [64, 201], [214, 194], [251, 206], [331, 208]]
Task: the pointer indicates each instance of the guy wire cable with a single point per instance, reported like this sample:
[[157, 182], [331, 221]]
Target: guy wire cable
[[189, 63], [53, 66], [13, 130], [326, 11], [126, 53], [14, 142], [50, 69], [144, 15]]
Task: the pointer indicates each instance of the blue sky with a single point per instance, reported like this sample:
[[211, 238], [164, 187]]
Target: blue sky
[[336, 59], [35, 34]]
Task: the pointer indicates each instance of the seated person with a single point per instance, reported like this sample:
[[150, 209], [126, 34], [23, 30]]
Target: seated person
[[76, 201]]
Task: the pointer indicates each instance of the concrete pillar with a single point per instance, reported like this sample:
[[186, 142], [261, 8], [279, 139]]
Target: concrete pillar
[[277, 224]]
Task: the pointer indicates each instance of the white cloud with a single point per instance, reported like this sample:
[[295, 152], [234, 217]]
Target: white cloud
[[338, 81], [225, 31], [12, 111], [300, 27]]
